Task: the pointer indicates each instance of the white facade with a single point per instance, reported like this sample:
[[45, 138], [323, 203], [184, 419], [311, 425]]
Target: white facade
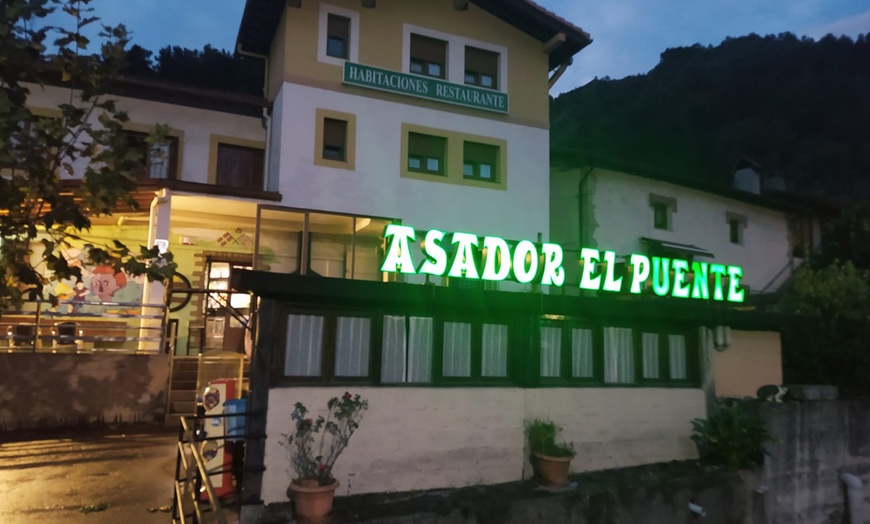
[[614, 212], [376, 187]]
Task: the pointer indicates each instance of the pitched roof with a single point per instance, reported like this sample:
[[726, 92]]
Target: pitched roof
[[260, 21]]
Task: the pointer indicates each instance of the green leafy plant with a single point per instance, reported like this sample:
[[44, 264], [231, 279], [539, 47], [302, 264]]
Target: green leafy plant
[[732, 437], [542, 433], [316, 444]]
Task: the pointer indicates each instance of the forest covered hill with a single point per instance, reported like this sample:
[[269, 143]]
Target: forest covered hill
[[796, 106]]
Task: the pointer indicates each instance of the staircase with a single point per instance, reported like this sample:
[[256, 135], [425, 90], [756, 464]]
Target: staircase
[[190, 374]]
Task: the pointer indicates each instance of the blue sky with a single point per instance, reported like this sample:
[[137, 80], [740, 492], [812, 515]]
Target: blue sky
[[629, 35]]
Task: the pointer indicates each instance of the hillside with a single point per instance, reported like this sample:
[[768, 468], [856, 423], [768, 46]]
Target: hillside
[[794, 105]]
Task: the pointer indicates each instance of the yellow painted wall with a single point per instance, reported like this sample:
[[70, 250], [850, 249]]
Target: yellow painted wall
[[753, 359], [380, 45]]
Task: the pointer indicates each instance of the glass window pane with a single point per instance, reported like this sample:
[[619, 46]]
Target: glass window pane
[[467, 169], [415, 162], [487, 81], [485, 171], [336, 47], [495, 350], [432, 164], [551, 345], [420, 350], [433, 69], [331, 239], [457, 349], [352, 343], [618, 356], [650, 346], [304, 349], [677, 353], [394, 349], [279, 235], [581, 353], [416, 66]]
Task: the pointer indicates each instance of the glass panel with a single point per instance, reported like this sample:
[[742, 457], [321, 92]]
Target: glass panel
[[352, 343], [485, 171], [304, 349], [432, 164], [366, 262], [650, 346], [330, 237], [581, 353], [495, 350], [551, 345], [420, 350], [279, 236], [677, 353], [394, 349], [467, 169], [457, 349], [618, 356], [415, 162]]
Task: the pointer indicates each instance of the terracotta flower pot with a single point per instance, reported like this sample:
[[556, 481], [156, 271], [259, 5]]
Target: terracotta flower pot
[[552, 471], [312, 505]]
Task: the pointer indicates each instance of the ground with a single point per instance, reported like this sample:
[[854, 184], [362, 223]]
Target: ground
[[88, 476]]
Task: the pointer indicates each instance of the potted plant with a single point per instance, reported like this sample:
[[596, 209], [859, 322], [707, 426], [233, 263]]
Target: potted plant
[[313, 447], [551, 459]]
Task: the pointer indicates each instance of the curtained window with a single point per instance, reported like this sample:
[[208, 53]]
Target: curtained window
[[618, 355]]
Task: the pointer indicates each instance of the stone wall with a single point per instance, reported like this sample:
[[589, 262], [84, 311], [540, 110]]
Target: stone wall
[[817, 441], [40, 390]]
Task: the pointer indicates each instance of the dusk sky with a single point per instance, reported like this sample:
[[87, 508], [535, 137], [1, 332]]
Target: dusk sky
[[629, 35]]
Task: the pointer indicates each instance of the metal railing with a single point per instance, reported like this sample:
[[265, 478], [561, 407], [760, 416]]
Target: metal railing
[[82, 327]]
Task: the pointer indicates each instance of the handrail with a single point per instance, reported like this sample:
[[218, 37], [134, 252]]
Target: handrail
[[192, 485]]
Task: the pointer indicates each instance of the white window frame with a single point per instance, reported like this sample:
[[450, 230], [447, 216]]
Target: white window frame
[[455, 66], [353, 52]]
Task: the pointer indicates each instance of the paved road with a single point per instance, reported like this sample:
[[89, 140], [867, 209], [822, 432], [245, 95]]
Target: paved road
[[93, 477]]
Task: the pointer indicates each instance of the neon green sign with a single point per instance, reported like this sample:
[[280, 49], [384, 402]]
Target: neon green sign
[[466, 255]]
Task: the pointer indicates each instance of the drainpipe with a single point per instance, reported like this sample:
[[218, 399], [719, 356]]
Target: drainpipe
[[854, 497], [265, 119]]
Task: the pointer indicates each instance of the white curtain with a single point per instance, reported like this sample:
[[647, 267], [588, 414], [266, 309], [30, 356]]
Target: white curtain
[[650, 346], [159, 160], [304, 349], [495, 344], [352, 343], [457, 349], [551, 345], [618, 356], [677, 353], [581, 353], [394, 350], [420, 350]]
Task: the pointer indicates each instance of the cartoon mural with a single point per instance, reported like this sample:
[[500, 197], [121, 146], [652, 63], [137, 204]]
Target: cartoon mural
[[99, 285]]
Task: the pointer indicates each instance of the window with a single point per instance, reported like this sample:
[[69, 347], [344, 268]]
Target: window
[[663, 209], [618, 355], [328, 346], [334, 143], [426, 153], [664, 356], [337, 36], [481, 68], [239, 166], [480, 161], [567, 351], [334, 139], [407, 349], [156, 161], [736, 226], [428, 56], [476, 350]]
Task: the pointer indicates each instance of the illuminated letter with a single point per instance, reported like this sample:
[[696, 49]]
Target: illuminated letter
[[661, 275], [681, 290], [611, 284], [497, 252], [524, 251], [700, 288], [588, 258], [735, 273], [719, 271], [464, 258], [398, 259], [554, 273], [640, 266], [436, 257]]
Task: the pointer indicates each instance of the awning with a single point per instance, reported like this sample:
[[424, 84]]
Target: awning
[[667, 245]]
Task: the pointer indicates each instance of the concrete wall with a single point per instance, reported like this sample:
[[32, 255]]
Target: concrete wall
[[817, 441], [54, 390], [753, 359], [425, 438]]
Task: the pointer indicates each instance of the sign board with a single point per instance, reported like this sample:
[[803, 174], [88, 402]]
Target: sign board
[[494, 259], [425, 87]]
